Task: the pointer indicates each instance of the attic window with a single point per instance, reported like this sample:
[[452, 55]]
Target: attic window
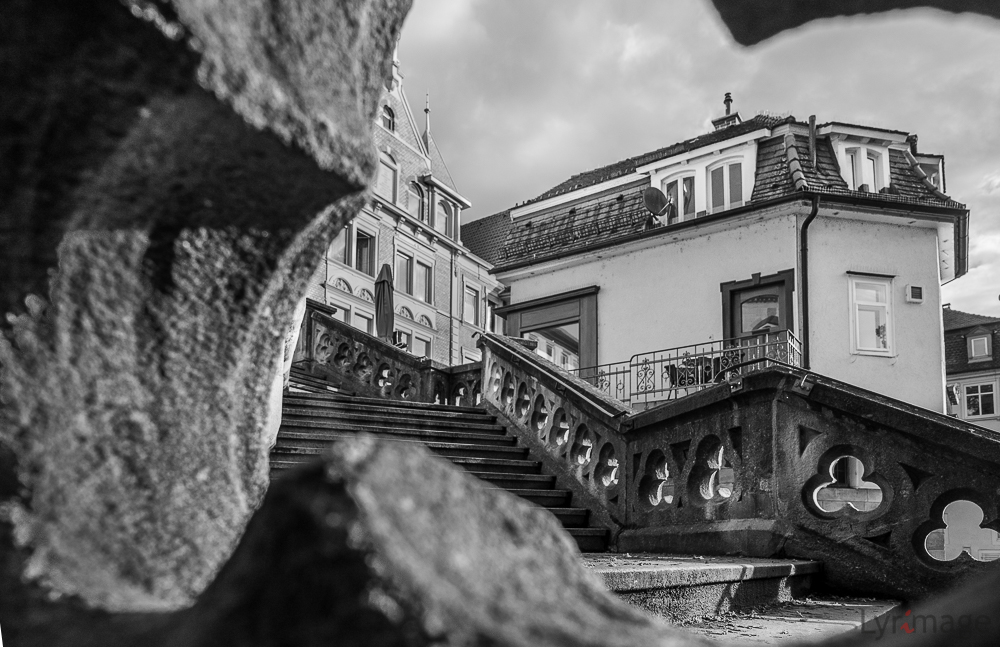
[[980, 348], [862, 169], [388, 119]]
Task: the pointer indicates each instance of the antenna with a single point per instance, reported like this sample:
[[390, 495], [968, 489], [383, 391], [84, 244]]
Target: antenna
[[656, 204]]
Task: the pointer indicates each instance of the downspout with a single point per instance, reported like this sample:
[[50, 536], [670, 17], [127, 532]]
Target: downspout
[[451, 307], [804, 246]]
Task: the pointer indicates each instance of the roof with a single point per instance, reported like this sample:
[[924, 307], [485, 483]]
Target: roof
[[783, 171], [627, 166], [438, 168], [486, 236], [956, 319]]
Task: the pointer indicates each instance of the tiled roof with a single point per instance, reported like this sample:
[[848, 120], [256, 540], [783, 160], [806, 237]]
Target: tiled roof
[[624, 167], [783, 168], [955, 319], [486, 236]]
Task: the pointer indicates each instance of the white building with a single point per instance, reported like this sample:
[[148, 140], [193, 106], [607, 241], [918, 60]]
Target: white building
[[836, 235]]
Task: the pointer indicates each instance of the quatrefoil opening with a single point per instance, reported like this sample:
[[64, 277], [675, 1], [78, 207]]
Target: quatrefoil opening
[[656, 487], [583, 446], [559, 432], [606, 472], [843, 485], [540, 416], [959, 529], [712, 478]]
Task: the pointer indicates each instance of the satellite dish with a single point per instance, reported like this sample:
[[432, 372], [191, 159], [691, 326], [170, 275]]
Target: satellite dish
[[654, 200]]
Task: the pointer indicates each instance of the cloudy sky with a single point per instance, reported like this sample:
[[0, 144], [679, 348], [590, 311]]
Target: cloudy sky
[[526, 93]]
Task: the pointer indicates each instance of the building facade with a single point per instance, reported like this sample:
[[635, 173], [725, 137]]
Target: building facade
[[973, 367], [836, 236], [444, 294]]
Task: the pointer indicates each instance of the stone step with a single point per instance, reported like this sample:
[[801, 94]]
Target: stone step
[[571, 517], [590, 540], [516, 481], [405, 404], [495, 465], [444, 449], [808, 620], [293, 403], [688, 588], [296, 433], [544, 498], [322, 417]]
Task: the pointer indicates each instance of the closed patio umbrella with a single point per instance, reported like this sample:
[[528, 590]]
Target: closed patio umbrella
[[385, 318]]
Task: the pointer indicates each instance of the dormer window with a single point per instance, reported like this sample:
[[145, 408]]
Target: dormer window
[[680, 199], [443, 216], [725, 186], [388, 119], [980, 347], [863, 169], [415, 202]]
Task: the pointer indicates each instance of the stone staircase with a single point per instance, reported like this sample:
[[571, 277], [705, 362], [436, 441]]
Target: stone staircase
[[314, 415]]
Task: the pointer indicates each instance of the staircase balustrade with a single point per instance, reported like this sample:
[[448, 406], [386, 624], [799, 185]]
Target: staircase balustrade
[[777, 461], [364, 365]]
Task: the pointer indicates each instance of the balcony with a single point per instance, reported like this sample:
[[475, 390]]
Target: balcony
[[659, 376]]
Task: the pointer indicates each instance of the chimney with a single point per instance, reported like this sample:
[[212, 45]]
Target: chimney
[[812, 140], [730, 118], [912, 141]]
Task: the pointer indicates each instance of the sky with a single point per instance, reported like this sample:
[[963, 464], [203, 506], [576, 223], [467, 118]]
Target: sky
[[526, 93]]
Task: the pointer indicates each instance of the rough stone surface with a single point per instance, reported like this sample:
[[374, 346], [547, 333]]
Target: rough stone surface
[[753, 22], [384, 544], [185, 229]]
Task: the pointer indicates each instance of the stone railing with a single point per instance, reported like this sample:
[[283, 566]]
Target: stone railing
[[367, 366], [781, 461], [573, 428]]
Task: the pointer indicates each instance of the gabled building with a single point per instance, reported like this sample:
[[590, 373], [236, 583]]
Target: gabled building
[[443, 291], [973, 367], [832, 240]]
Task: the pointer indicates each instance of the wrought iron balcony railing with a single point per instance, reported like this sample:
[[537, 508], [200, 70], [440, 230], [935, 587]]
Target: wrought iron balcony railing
[[675, 372]]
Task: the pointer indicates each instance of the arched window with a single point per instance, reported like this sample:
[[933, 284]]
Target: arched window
[[415, 202], [443, 216], [388, 118]]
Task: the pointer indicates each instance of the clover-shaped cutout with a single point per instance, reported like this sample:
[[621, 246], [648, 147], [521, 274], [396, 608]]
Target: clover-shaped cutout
[[963, 533], [844, 487], [656, 486], [559, 431], [507, 391], [477, 393], [405, 388], [384, 379], [363, 368], [323, 348], [496, 376], [540, 416], [343, 356], [583, 446], [606, 472], [712, 478], [523, 403], [458, 393]]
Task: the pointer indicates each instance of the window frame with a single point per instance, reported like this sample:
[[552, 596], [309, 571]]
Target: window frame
[[855, 160], [354, 247], [407, 286], [360, 314], [413, 190], [727, 199], [423, 338], [965, 399], [785, 279], [478, 291], [386, 160], [856, 305], [390, 115], [970, 347], [449, 210], [428, 295], [679, 178]]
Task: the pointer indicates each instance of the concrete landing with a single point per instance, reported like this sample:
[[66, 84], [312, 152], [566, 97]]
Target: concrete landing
[[798, 621], [688, 588]]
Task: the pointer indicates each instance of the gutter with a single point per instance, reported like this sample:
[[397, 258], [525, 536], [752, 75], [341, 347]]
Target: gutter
[[804, 247]]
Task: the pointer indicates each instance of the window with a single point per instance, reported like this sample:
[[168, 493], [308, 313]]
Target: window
[[871, 311], [757, 306], [443, 218], [404, 272], [421, 347], [364, 253], [980, 348], [726, 186], [469, 356], [388, 118], [979, 400], [863, 169], [680, 198], [415, 202], [364, 322], [343, 313], [385, 183], [404, 338], [470, 311], [423, 283], [338, 248]]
